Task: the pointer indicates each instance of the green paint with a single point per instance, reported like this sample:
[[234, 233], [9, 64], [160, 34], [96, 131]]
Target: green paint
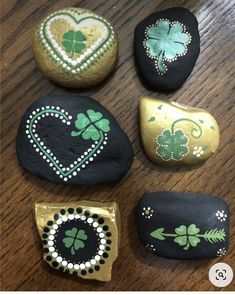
[[74, 42], [90, 126], [166, 41], [68, 72], [195, 132], [172, 145], [190, 236], [160, 107], [74, 239], [44, 151], [212, 127], [201, 121], [151, 119]]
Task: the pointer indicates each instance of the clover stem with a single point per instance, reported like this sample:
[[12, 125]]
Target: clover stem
[[187, 246], [193, 130], [72, 54], [160, 64], [170, 235]]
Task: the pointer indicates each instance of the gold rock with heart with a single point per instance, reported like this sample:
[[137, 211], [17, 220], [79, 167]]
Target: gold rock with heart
[[174, 134], [80, 238], [75, 47]]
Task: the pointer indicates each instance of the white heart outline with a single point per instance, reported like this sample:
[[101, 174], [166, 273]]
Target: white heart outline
[[63, 59], [40, 147]]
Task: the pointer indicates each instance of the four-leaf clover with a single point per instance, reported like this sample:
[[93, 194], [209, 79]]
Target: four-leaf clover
[[166, 41], [91, 126], [187, 236], [74, 239], [172, 145], [74, 42]]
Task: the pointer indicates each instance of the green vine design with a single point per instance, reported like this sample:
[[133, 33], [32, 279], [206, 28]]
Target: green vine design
[[193, 130], [190, 236]]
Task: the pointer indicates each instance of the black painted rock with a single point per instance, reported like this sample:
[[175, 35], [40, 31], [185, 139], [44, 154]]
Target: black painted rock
[[73, 140], [167, 45], [184, 225]]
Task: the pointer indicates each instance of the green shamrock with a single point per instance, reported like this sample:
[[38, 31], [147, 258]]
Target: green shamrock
[[74, 42], [186, 236], [91, 125], [172, 145], [166, 41], [74, 239]]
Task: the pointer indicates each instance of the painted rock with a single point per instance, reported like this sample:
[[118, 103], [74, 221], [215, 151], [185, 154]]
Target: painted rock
[[167, 45], [80, 238], [175, 134], [75, 140], [75, 47], [184, 225]]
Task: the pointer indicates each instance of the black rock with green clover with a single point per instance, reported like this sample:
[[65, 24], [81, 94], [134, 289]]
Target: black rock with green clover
[[70, 139], [166, 47], [184, 225]]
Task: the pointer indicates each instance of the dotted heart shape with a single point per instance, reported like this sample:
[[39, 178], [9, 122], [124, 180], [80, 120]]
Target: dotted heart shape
[[81, 162], [76, 21]]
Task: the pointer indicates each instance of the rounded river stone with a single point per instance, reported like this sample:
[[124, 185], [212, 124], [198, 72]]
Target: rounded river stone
[[75, 47], [68, 139], [166, 46], [174, 134], [184, 225]]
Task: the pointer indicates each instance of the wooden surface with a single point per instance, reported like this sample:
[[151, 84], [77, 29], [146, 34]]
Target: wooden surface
[[210, 87]]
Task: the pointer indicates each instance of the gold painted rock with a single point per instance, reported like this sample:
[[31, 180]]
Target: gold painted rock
[[75, 47], [174, 134], [80, 238]]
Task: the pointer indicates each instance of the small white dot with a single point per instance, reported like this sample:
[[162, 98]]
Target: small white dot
[[59, 259], [101, 235], [64, 263], [64, 218], [59, 221], [52, 231], [87, 264], [95, 224], [51, 237], [50, 243], [103, 241], [89, 220], [82, 266], [54, 254], [70, 265], [93, 261], [76, 266], [71, 216], [55, 226], [97, 257]]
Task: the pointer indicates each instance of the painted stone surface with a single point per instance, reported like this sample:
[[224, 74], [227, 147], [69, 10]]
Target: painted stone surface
[[166, 46], [75, 47], [174, 134], [80, 238], [184, 225], [75, 140]]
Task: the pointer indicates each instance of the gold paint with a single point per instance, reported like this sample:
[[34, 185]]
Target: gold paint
[[165, 113], [108, 211], [96, 73]]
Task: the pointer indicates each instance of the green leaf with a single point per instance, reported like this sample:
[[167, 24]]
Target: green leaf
[[71, 232], [103, 125], [193, 230], [94, 116], [182, 230], [68, 242], [160, 107], [78, 244], [193, 241], [79, 37], [181, 240], [91, 132], [212, 127], [165, 137], [81, 235], [151, 119], [164, 152], [158, 234], [201, 121], [82, 121]]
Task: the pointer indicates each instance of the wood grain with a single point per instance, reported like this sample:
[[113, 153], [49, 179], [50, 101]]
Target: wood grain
[[211, 86]]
